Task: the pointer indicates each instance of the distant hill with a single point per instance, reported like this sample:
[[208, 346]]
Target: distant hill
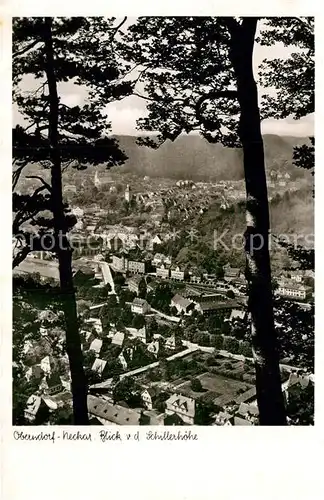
[[192, 157]]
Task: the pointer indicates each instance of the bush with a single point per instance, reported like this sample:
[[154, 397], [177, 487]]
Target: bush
[[205, 340], [217, 341], [246, 349], [211, 361], [196, 385], [154, 375]]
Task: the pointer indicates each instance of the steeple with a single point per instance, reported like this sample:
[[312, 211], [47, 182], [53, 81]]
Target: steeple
[[128, 193], [97, 181]]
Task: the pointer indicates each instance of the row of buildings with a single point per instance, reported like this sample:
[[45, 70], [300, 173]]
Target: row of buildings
[[165, 269]]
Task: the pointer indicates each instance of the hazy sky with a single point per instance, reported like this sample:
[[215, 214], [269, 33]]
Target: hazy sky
[[123, 114]]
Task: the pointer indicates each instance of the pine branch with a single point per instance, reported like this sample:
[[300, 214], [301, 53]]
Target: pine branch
[[26, 49], [146, 97], [42, 181]]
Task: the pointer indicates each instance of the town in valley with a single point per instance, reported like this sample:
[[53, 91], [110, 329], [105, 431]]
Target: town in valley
[[165, 335]]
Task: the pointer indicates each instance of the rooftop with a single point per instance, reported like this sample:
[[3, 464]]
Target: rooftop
[[246, 409], [33, 404], [292, 285], [231, 271], [98, 365], [96, 345], [236, 313], [112, 413], [294, 379], [181, 301], [151, 390], [241, 421], [181, 403], [139, 302], [118, 339], [53, 380], [205, 306], [135, 279]]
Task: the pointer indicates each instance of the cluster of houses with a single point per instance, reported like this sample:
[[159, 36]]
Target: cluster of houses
[[126, 341], [50, 373], [54, 386], [180, 409], [278, 178]]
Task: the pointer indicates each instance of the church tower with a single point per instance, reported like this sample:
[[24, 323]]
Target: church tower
[[128, 195], [96, 181]]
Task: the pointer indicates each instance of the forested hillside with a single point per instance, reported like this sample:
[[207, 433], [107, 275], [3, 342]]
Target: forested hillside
[[191, 157], [194, 158]]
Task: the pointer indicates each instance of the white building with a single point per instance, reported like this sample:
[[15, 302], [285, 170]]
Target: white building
[[297, 276], [138, 333], [45, 365], [123, 361], [177, 274], [154, 347], [182, 406], [160, 258], [147, 397], [224, 418], [292, 290], [78, 212], [119, 263], [163, 271], [156, 240], [182, 304], [140, 306], [237, 314]]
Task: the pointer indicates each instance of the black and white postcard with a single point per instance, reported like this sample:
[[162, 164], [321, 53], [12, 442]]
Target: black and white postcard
[[163, 248]]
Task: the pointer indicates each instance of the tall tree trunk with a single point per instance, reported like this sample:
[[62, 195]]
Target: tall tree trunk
[[63, 249], [258, 271]]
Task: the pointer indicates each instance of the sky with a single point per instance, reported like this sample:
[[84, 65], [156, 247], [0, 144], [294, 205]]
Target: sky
[[123, 114]]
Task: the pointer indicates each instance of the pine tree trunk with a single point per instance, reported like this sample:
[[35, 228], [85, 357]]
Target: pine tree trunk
[[63, 249], [258, 271]]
